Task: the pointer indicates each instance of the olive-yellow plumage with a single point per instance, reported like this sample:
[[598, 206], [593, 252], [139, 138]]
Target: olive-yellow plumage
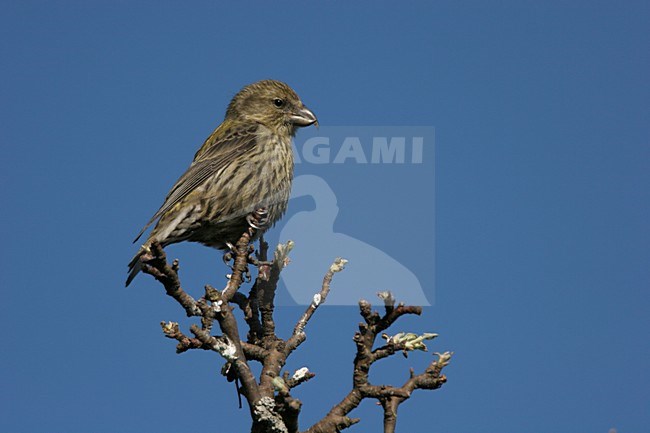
[[245, 165]]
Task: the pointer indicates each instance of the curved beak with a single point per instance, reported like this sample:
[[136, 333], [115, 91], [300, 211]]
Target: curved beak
[[304, 117]]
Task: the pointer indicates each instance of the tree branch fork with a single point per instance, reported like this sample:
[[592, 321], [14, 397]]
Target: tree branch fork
[[272, 407]]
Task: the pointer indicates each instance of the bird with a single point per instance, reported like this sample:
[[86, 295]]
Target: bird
[[245, 166]]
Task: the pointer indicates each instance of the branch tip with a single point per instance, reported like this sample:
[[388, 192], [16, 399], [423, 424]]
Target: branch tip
[[338, 265]]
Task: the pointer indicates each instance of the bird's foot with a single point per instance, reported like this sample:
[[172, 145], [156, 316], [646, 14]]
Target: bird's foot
[[227, 258], [249, 260], [147, 255], [259, 219], [229, 255]]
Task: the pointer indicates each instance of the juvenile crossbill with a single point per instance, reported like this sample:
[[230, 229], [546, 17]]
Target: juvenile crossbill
[[244, 166]]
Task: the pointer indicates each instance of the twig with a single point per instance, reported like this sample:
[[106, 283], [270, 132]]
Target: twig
[[299, 336], [390, 397], [272, 407], [155, 263], [251, 316]]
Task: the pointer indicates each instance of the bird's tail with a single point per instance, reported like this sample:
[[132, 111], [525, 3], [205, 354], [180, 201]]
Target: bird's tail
[[135, 266]]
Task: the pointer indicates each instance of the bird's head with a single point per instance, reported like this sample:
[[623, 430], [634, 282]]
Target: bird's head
[[273, 104]]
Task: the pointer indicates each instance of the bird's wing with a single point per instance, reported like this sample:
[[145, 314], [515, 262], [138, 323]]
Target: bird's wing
[[218, 156]]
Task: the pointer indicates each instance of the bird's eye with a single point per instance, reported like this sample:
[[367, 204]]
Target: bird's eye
[[278, 102]]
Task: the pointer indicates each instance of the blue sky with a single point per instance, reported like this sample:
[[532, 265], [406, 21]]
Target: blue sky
[[542, 167]]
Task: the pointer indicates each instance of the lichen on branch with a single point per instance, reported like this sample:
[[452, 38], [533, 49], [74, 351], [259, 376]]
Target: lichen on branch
[[272, 407]]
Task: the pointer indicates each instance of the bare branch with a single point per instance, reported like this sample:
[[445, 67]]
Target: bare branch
[[299, 336], [185, 343], [300, 376], [390, 397], [271, 404], [240, 266], [155, 263], [390, 406], [250, 316], [266, 284]]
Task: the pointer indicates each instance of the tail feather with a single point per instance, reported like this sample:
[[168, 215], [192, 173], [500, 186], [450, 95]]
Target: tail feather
[[135, 266]]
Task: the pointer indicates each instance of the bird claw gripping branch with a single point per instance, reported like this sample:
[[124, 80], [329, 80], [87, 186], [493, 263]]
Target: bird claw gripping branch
[[259, 219]]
